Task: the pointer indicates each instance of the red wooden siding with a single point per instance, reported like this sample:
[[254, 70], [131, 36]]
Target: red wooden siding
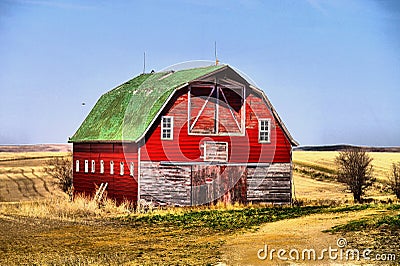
[[242, 149], [119, 187]]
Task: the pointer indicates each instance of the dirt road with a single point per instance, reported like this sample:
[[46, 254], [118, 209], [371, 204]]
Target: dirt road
[[300, 233]]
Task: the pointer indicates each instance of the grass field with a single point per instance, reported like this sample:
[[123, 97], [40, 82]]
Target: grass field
[[41, 227]]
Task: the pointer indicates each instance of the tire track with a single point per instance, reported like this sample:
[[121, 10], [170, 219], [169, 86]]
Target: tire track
[[42, 179], [18, 185], [32, 183]]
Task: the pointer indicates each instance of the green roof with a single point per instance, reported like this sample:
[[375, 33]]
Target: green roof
[[125, 113]]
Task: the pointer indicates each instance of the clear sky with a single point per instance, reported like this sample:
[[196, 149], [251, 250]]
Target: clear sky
[[330, 68]]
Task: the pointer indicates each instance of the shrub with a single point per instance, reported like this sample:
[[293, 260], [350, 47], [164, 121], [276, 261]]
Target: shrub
[[394, 179], [355, 170], [60, 168]]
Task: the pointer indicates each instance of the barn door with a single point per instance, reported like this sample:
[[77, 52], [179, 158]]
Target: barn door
[[214, 183]]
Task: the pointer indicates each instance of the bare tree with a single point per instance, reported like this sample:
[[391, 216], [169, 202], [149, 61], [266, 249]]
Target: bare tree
[[60, 168], [394, 179], [355, 170]]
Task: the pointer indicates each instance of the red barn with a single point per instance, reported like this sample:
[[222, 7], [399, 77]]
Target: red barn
[[188, 137]]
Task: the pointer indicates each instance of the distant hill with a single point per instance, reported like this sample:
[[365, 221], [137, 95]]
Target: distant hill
[[341, 147], [37, 148]]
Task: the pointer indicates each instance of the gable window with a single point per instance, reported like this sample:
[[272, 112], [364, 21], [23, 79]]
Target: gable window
[[93, 166], [121, 168], [167, 128], [111, 167], [131, 169], [77, 166], [101, 167], [86, 166], [264, 129]]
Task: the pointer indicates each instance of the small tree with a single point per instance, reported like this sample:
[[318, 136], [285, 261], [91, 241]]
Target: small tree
[[355, 170], [60, 168], [394, 179]]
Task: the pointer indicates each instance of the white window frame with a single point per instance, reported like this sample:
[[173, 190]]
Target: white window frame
[[93, 166], [77, 166], [101, 167], [111, 167], [121, 168], [132, 169], [86, 166], [171, 128], [268, 131]]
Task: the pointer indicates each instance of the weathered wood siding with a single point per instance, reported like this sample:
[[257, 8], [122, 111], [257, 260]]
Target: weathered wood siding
[[165, 184], [192, 185], [225, 184], [269, 184]]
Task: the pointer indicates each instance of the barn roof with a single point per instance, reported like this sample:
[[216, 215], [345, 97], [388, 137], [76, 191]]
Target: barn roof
[[126, 112], [134, 103]]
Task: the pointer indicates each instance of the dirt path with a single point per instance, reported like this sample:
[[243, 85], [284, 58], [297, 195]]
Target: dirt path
[[300, 233]]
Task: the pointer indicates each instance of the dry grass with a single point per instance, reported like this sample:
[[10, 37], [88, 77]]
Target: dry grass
[[60, 208]]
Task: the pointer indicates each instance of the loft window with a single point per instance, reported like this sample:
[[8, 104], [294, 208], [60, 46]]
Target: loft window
[[264, 129], [86, 166], [77, 166], [131, 169], [111, 167], [167, 125], [101, 167], [93, 166], [121, 168]]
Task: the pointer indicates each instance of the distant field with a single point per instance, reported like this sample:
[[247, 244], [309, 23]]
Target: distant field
[[314, 174], [22, 176]]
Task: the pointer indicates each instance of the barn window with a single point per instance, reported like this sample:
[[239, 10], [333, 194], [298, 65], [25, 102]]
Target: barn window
[[264, 126], [86, 166], [93, 166], [111, 167], [77, 166], [131, 169], [167, 125], [101, 167], [121, 168]]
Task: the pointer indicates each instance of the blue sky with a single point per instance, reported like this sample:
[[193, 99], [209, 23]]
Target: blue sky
[[331, 68]]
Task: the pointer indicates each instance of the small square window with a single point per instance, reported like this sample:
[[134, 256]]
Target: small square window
[[264, 126], [111, 167], [101, 167], [121, 168], [93, 166], [167, 128], [86, 166], [131, 169]]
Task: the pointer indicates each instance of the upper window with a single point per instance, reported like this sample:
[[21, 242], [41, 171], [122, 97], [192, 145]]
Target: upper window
[[264, 128], [131, 169], [111, 167], [77, 166], [101, 167], [93, 166], [167, 127], [86, 166], [121, 168]]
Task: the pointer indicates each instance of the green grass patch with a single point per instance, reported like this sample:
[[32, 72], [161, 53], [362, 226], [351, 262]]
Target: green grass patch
[[231, 220], [390, 222]]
